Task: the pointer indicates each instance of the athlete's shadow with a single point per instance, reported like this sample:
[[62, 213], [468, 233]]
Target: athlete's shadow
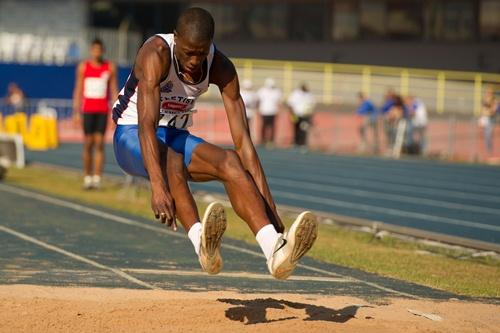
[[254, 311]]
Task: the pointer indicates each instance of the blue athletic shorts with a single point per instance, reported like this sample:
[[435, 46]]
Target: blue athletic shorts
[[128, 150]]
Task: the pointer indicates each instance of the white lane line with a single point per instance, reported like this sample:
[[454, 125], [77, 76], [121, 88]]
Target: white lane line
[[398, 174], [420, 187], [378, 195], [75, 256], [323, 271], [382, 210], [244, 275], [123, 220], [389, 211]]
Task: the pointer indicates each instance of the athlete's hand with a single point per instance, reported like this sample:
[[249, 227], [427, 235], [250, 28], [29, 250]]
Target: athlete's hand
[[163, 207], [77, 119]]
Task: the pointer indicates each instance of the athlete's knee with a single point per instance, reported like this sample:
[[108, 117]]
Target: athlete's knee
[[231, 165], [175, 168], [88, 142], [99, 143], [177, 178]]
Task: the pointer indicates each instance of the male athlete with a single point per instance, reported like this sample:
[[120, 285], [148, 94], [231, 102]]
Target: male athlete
[[96, 84], [153, 112]]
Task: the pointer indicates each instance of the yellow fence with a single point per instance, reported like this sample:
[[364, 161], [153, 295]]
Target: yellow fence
[[39, 132], [337, 84]]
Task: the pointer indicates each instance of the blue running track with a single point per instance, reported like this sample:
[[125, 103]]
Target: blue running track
[[451, 199]]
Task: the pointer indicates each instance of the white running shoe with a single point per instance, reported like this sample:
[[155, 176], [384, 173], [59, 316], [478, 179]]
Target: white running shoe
[[87, 182], [96, 182], [290, 248], [213, 226]]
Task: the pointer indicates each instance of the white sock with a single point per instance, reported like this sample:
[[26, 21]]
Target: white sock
[[267, 237], [87, 180], [194, 235]]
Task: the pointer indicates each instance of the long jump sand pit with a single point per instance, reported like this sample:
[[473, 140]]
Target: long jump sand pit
[[27, 308]]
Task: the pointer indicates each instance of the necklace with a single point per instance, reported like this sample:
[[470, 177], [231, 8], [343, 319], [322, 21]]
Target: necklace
[[184, 77]]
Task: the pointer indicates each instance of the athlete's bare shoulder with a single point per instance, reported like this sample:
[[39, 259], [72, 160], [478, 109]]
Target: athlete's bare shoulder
[[154, 52], [222, 71], [157, 44], [81, 66]]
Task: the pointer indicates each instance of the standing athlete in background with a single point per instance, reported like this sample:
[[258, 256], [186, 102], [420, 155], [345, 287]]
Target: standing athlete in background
[[301, 102], [153, 112], [270, 99], [96, 85]]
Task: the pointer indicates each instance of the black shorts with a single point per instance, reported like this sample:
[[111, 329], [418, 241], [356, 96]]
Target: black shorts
[[268, 120], [95, 123]]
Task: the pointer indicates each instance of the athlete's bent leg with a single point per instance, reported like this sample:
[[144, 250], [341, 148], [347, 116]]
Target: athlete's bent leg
[[207, 235], [98, 158], [204, 235], [185, 205], [282, 252], [87, 159], [211, 161]]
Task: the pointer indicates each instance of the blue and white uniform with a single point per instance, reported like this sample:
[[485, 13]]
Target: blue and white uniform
[[177, 106]]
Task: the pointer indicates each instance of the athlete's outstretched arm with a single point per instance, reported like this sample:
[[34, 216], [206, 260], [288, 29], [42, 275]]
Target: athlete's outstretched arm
[[223, 74], [152, 62]]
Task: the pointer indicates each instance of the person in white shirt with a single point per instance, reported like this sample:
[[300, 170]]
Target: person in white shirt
[[270, 98], [250, 99], [301, 102], [419, 124]]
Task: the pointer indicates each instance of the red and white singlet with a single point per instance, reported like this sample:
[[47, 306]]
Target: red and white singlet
[[96, 88]]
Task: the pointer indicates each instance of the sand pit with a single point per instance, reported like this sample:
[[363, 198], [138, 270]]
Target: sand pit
[[26, 308]]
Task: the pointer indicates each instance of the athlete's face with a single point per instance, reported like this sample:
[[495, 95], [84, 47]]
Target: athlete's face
[[191, 55], [96, 52]]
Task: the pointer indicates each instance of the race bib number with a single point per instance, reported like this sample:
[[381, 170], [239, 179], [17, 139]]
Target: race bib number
[[177, 120], [95, 87]]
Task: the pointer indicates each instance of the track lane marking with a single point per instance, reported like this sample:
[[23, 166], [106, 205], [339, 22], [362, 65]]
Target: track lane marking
[[372, 194], [382, 210], [234, 274], [127, 221], [391, 172], [76, 257]]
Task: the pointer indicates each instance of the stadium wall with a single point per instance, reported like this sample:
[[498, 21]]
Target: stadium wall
[[39, 81], [56, 17], [473, 56]]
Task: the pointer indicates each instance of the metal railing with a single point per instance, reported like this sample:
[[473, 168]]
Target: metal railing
[[448, 136], [63, 108], [336, 85]]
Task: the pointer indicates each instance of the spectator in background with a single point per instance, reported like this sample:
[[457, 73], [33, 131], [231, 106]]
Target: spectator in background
[[15, 97], [487, 120], [270, 98], [73, 53], [301, 102], [251, 101], [419, 120], [96, 85], [398, 118], [368, 115], [387, 105], [395, 119]]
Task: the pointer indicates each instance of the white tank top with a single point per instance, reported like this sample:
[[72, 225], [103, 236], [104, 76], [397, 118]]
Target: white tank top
[[177, 98]]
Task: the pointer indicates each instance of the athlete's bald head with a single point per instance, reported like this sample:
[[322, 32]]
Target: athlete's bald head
[[196, 25]]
